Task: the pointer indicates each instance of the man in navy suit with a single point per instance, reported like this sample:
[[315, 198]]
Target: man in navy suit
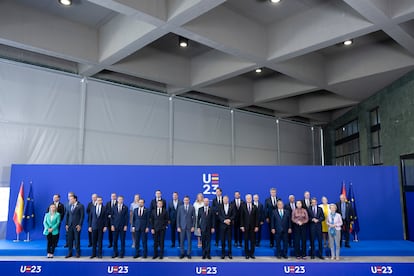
[[281, 225], [217, 203], [172, 214], [262, 217], [97, 225], [119, 226], [249, 225], [346, 211], [316, 218], [237, 204], [206, 220], [159, 223], [185, 225], [140, 228], [91, 204], [158, 197], [291, 206], [226, 217], [109, 205], [74, 219], [270, 205]]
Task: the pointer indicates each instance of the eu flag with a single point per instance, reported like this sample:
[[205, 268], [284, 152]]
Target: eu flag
[[28, 222], [355, 226]]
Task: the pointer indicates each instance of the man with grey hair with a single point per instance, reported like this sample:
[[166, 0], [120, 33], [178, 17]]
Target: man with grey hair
[[249, 225], [262, 217], [88, 212], [291, 206]]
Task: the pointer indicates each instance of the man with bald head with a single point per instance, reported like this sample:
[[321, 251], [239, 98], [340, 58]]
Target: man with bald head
[[88, 212], [347, 214]]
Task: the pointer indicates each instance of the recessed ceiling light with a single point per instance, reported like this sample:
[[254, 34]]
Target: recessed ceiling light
[[258, 70], [348, 42], [183, 42], [65, 2], [275, 1]]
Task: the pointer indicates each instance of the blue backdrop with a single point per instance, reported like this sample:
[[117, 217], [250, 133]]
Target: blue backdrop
[[377, 190]]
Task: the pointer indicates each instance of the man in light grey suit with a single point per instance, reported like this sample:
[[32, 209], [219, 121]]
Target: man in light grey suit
[[185, 225]]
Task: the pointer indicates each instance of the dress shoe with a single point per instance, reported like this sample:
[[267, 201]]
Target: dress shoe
[[285, 257], [161, 257], [189, 257], [122, 256], [136, 256], [154, 257], [279, 257], [321, 257], [181, 256], [252, 256], [304, 258], [93, 256], [222, 257], [77, 256], [114, 256], [204, 257], [247, 257], [230, 256], [209, 257], [145, 256], [100, 257], [312, 257], [68, 256]]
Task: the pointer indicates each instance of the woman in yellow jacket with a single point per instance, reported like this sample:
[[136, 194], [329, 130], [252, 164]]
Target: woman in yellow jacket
[[51, 223], [326, 212]]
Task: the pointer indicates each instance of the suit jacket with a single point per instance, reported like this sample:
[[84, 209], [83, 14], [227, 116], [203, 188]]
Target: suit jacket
[[249, 220], [216, 205], [89, 207], [60, 209], [75, 217], [289, 208], [223, 216], [186, 220], [349, 211], [261, 212], [119, 219], [141, 222], [159, 222], [108, 207], [153, 204], [319, 216], [172, 212], [206, 222], [304, 204], [95, 221], [48, 222], [269, 206], [281, 224], [237, 211]]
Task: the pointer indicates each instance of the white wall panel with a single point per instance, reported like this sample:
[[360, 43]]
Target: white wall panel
[[295, 144]]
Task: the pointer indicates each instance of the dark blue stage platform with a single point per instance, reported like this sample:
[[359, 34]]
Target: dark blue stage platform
[[362, 248]]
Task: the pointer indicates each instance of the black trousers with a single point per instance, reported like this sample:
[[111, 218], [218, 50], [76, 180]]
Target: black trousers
[[345, 232], [110, 234], [90, 238], [51, 243], [97, 237], [225, 231], [300, 240], [121, 235], [174, 232], [206, 242], [217, 227], [249, 238], [281, 237], [159, 238], [259, 235], [73, 236], [316, 234], [238, 235], [271, 235], [140, 235]]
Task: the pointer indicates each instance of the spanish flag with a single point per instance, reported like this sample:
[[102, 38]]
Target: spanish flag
[[18, 210]]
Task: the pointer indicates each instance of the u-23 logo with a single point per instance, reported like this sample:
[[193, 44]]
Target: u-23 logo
[[30, 269], [381, 269], [118, 269], [294, 269], [210, 183], [206, 270]]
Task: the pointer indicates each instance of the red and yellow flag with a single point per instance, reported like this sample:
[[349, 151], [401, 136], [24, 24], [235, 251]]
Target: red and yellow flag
[[18, 210]]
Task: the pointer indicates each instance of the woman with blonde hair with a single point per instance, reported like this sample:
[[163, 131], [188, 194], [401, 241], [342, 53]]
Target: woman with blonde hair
[[51, 223], [197, 205], [325, 207], [334, 222]]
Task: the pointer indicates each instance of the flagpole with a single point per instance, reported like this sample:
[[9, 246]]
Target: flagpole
[[28, 237]]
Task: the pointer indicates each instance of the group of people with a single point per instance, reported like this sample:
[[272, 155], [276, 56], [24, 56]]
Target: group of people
[[238, 219]]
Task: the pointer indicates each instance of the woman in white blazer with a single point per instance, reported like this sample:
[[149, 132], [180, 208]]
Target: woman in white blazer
[[334, 222]]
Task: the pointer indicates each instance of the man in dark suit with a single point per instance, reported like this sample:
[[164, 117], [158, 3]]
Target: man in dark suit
[[60, 208], [185, 225], [306, 201], [281, 223], [140, 228], [172, 214], [119, 226], [159, 223], [226, 216], [74, 219], [270, 205], [249, 225], [262, 217], [291, 206], [206, 220], [237, 203], [347, 212], [109, 206], [67, 206], [316, 218], [97, 226], [217, 203], [158, 197], [88, 212]]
